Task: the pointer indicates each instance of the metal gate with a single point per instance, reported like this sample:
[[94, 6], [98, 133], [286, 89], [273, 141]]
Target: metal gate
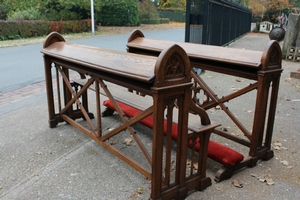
[[215, 22]]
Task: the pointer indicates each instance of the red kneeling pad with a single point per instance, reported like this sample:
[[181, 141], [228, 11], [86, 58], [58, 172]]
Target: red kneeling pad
[[216, 151]]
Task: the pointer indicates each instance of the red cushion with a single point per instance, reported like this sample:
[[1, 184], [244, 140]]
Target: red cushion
[[216, 151]]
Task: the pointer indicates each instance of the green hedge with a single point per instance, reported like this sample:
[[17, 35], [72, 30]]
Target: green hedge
[[119, 13], [164, 20], [73, 26], [30, 28], [155, 21], [175, 15]]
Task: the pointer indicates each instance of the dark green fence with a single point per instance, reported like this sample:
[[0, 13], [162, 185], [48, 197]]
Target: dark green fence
[[172, 15], [216, 22]]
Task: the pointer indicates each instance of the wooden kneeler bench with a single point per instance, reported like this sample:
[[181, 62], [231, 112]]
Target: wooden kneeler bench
[[264, 68], [216, 151]]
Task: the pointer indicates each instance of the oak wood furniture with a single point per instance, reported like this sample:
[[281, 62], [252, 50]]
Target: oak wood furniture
[[264, 68], [166, 78]]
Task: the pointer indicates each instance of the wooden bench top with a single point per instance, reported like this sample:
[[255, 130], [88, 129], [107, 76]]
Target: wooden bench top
[[240, 57], [236, 62], [123, 64]]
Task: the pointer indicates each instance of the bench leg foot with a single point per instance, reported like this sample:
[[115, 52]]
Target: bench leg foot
[[223, 174], [52, 123], [269, 155], [205, 183], [91, 116], [253, 161], [107, 112]]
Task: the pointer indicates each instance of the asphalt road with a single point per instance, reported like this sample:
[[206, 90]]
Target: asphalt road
[[23, 65]]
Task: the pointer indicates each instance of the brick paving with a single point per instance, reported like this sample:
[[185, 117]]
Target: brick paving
[[26, 95], [20, 94]]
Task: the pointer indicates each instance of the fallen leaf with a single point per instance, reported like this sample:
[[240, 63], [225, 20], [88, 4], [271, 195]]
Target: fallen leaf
[[262, 180], [284, 162], [237, 183], [270, 181], [140, 190], [277, 148], [188, 162], [36, 174], [235, 89], [224, 129], [238, 80], [133, 196], [39, 153], [195, 166], [127, 141], [219, 189], [113, 143], [278, 144]]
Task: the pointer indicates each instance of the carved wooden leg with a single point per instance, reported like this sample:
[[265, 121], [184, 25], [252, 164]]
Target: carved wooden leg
[[223, 174], [107, 112], [50, 97]]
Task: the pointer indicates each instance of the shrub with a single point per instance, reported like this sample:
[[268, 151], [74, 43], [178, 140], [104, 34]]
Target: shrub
[[29, 14], [9, 30], [73, 26], [3, 11], [76, 26], [150, 21], [119, 13], [31, 28], [147, 10], [57, 26], [164, 20], [52, 15]]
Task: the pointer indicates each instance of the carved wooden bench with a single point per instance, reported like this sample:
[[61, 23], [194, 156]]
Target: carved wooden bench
[[166, 79], [262, 67]]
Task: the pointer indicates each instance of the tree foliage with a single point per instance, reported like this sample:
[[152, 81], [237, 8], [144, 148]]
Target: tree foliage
[[275, 8], [50, 9], [148, 10], [119, 13], [269, 10], [242, 2], [3, 11], [171, 3]]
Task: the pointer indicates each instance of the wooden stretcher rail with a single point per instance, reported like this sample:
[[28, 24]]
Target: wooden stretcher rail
[[262, 67], [166, 79]]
